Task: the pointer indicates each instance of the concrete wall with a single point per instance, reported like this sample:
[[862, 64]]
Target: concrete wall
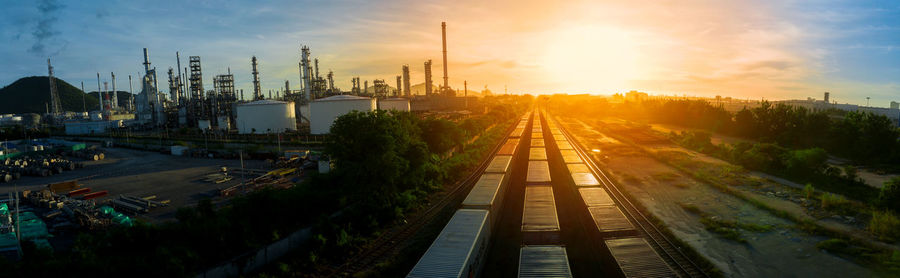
[[253, 261]]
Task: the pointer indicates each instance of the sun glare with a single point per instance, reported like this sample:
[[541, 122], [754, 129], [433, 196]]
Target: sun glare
[[591, 58]]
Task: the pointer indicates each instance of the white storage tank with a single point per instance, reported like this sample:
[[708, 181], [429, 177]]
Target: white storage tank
[[265, 116], [324, 111], [203, 124], [399, 104]]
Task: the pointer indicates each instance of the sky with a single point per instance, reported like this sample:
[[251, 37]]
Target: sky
[[745, 49]]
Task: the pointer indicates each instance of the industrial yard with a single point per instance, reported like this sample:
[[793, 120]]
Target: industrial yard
[[180, 180]]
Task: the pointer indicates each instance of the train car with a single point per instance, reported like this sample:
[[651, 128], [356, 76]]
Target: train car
[[517, 133], [570, 156], [543, 261], [595, 196], [459, 250], [611, 222], [555, 131], [538, 172], [487, 194], [540, 224], [559, 137], [537, 142], [510, 147], [637, 259], [584, 179], [564, 145], [537, 153], [578, 168], [500, 164]]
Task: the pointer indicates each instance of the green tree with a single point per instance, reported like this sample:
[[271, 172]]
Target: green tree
[[441, 135]]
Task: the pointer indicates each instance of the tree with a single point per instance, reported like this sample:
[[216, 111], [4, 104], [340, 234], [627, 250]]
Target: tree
[[377, 155], [805, 163], [441, 135]]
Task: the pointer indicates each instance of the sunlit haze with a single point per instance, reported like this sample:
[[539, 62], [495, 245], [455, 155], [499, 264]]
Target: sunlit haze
[[745, 49]]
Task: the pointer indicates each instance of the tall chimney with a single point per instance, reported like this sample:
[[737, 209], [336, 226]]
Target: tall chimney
[[257, 95], [115, 94], [100, 89], [406, 80], [399, 88], [428, 78], [444, 40], [146, 60]]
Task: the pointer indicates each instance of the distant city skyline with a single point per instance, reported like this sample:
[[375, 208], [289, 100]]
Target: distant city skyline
[[747, 49]]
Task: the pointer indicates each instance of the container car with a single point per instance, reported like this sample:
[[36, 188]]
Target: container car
[[637, 259], [460, 248], [538, 172], [543, 261], [540, 224]]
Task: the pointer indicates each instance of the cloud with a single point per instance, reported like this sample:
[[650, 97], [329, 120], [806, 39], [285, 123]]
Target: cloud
[[45, 28]]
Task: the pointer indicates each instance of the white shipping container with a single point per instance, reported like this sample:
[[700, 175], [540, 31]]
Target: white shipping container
[[487, 194], [538, 172], [460, 248], [500, 164], [545, 261]]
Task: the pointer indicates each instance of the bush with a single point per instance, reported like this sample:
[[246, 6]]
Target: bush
[[808, 190], [832, 201], [889, 196], [885, 225]]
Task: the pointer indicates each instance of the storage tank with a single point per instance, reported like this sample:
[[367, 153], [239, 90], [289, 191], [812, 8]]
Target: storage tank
[[265, 116], [324, 111], [399, 104]]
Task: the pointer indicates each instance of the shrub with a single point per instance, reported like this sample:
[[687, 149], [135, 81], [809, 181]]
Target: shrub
[[885, 225], [808, 190], [889, 196], [831, 200]]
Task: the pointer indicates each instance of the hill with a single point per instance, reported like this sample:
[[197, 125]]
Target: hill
[[31, 94]]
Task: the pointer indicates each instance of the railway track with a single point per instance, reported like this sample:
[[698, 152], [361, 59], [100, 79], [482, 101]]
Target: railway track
[[674, 257], [390, 242]]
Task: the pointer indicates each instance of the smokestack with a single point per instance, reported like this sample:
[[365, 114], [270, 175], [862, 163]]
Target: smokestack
[[130, 95], [406, 80], [181, 82], [317, 68], [115, 94], [444, 39], [257, 95], [100, 89], [146, 60], [106, 94], [304, 66], [428, 78], [399, 89]]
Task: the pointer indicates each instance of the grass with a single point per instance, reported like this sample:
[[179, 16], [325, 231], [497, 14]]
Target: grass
[[725, 229], [728, 229], [665, 176], [887, 262], [885, 225]]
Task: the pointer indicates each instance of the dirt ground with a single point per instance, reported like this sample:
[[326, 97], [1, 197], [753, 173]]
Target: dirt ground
[[139, 173], [781, 251]]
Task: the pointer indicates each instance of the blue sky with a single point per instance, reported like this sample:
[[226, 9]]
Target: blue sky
[[748, 49]]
